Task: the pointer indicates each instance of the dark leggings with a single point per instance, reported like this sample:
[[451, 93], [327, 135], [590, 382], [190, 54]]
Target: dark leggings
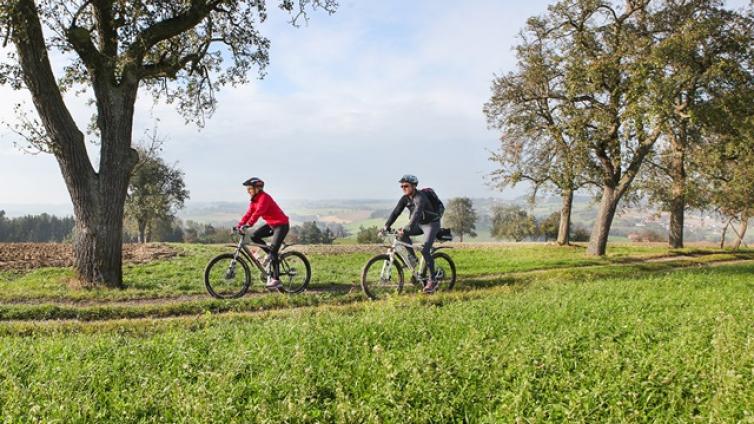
[[278, 235], [430, 234]]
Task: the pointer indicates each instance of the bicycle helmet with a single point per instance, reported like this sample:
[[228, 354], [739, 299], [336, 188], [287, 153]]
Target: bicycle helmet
[[254, 182], [408, 178]]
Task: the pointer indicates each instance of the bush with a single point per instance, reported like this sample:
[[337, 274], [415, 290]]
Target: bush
[[369, 235], [579, 233]]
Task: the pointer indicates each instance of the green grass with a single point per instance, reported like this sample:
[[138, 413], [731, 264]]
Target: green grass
[[183, 275], [668, 347]]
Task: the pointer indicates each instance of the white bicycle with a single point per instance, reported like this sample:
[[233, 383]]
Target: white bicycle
[[383, 274]]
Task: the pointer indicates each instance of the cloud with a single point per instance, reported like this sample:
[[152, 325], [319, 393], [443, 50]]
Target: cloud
[[350, 102]]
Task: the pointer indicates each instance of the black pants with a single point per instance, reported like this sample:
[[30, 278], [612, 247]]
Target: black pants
[[430, 234], [278, 235]]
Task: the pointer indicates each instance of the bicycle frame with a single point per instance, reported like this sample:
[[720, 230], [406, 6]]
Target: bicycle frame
[[242, 250], [393, 253]]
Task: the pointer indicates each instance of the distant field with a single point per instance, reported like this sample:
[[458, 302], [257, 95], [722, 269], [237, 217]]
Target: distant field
[[534, 333]]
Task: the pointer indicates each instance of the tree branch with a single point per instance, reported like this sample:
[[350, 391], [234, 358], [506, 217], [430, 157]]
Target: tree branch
[[169, 28], [67, 139], [108, 37]]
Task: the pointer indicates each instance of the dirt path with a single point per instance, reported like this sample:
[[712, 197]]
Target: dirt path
[[684, 261]]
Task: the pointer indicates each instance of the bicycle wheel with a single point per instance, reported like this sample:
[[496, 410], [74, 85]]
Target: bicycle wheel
[[223, 279], [445, 271], [379, 279], [295, 272]]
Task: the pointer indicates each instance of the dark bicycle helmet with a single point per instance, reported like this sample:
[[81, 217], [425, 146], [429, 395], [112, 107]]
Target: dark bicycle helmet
[[408, 178], [254, 182]]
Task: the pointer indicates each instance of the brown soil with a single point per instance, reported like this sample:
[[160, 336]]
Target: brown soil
[[24, 256]]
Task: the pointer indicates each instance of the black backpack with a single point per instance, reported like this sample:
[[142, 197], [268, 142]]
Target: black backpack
[[437, 205]]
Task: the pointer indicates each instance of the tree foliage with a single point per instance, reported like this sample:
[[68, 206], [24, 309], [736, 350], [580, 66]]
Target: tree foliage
[[35, 228], [600, 83], [512, 223], [368, 235], [461, 217], [156, 191], [180, 51], [549, 226], [311, 233]]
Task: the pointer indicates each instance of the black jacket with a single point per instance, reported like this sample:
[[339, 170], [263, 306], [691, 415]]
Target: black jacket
[[421, 209]]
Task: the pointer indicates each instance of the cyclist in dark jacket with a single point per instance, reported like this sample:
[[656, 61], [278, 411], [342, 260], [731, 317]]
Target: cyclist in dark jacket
[[423, 219]]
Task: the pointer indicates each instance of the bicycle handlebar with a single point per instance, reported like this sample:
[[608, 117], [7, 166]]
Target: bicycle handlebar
[[240, 231], [388, 232]]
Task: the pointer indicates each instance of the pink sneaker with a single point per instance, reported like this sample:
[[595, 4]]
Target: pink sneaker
[[273, 284], [430, 287]]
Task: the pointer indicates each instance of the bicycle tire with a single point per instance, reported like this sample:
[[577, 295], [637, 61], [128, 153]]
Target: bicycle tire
[[213, 291], [370, 288], [307, 267], [448, 281]]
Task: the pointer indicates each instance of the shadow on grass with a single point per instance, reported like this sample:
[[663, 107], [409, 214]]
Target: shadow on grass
[[331, 294]]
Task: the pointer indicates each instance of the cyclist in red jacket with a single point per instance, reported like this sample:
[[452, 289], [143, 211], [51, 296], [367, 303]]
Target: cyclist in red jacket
[[276, 225]]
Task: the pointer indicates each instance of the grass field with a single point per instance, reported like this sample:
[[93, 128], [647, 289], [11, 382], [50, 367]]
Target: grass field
[[534, 333]]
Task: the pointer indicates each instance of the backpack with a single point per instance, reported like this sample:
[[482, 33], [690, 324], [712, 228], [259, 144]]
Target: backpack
[[437, 205]]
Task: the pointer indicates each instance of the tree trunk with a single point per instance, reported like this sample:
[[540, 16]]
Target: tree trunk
[[565, 218], [142, 231], [461, 236], [677, 190], [98, 197], [148, 235], [724, 233], [601, 229], [744, 226]]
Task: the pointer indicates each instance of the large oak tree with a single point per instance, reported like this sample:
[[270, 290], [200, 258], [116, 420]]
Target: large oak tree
[[542, 139], [179, 50], [704, 52]]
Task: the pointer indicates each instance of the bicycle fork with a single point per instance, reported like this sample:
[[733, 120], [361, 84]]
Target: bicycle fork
[[231, 272], [387, 268]]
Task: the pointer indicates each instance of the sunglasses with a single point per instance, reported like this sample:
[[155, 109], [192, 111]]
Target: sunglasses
[[405, 185]]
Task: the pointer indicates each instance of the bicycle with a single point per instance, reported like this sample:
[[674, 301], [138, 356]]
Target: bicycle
[[223, 281], [383, 274]]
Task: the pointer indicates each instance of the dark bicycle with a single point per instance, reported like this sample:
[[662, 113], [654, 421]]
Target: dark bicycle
[[229, 275]]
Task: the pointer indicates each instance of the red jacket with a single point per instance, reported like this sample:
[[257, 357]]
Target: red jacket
[[262, 206]]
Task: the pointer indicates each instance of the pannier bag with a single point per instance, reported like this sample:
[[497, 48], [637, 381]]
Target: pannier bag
[[444, 234]]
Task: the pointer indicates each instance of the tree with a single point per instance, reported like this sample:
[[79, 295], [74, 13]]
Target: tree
[[155, 192], [168, 230], [550, 226], [704, 60], [512, 222], [181, 51], [35, 228], [368, 235], [730, 177], [327, 236], [307, 233], [610, 72], [461, 217], [542, 139], [3, 225]]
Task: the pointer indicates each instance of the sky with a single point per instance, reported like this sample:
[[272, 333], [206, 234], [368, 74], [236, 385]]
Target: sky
[[349, 103]]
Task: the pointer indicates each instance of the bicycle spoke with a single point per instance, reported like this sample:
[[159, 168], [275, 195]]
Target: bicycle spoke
[[226, 277], [382, 278]]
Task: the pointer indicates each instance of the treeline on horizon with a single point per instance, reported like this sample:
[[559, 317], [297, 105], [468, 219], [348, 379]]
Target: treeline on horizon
[[35, 228], [504, 222], [45, 228]]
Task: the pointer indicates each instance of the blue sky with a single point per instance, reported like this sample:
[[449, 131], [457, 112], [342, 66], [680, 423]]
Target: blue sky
[[350, 102]]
